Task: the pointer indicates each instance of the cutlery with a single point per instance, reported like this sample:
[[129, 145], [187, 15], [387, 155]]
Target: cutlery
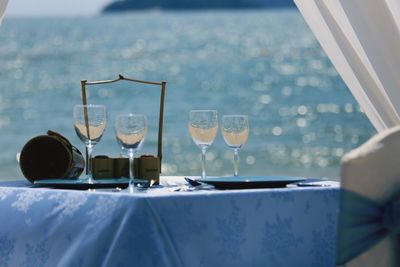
[[196, 185]]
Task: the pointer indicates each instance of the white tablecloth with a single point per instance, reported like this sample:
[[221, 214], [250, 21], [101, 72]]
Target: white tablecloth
[[258, 227]]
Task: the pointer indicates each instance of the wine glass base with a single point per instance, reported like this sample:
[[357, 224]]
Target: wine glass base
[[131, 189], [88, 179], [138, 186]]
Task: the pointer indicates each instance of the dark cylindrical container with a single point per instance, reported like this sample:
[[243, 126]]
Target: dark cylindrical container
[[50, 156]]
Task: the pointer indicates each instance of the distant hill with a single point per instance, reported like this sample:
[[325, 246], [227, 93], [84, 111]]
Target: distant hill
[[127, 5]]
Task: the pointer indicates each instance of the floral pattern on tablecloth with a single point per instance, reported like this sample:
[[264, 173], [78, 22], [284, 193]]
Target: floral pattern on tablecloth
[[65, 205], [231, 232], [25, 199], [6, 249]]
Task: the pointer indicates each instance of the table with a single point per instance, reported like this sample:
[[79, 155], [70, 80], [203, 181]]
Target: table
[[257, 227]]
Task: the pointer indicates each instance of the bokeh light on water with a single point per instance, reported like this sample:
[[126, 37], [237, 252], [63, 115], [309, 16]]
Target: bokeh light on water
[[266, 64]]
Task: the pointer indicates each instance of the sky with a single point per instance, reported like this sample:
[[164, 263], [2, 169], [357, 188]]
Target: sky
[[37, 8]]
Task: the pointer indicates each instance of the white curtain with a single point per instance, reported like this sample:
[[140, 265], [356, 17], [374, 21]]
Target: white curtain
[[362, 39], [3, 4]]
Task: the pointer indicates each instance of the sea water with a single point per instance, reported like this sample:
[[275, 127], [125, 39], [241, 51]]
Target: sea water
[[266, 64]]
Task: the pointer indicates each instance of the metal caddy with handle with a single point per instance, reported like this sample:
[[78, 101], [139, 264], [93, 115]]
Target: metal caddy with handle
[[146, 167]]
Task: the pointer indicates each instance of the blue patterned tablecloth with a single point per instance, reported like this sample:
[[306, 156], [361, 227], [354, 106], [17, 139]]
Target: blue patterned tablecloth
[[260, 227]]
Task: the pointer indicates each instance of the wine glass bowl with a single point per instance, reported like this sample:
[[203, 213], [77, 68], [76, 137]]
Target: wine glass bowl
[[235, 131], [90, 122], [130, 141], [203, 126], [130, 132], [92, 136]]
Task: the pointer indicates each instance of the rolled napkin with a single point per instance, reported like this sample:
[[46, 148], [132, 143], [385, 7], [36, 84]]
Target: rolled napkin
[[368, 230], [50, 156]]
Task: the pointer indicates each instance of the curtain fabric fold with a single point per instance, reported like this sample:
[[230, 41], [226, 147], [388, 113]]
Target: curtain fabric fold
[[362, 39], [3, 4]]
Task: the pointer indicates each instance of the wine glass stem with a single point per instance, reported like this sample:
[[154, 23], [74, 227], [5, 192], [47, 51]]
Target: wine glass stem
[[203, 162], [235, 161], [89, 150], [131, 170]]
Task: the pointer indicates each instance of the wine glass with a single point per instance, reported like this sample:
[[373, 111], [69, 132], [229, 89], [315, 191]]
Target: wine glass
[[89, 122], [130, 130], [203, 125], [235, 130]]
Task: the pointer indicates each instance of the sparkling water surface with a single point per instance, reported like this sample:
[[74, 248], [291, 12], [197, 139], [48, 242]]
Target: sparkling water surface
[[266, 64]]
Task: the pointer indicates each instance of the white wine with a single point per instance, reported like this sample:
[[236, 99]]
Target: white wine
[[132, 140], [235, 139], [203, 137], [95, 132]]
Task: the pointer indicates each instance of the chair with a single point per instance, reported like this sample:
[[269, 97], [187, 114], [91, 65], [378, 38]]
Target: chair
[[369, 216]]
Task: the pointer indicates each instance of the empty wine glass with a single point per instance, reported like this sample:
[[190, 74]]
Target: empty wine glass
[[235, 130], [89, 122], [203, 125], [130, 130]]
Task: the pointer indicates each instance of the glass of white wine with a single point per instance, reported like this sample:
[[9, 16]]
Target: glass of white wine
[[130, 131], [90, 122], [235, 130], [203, 126]]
